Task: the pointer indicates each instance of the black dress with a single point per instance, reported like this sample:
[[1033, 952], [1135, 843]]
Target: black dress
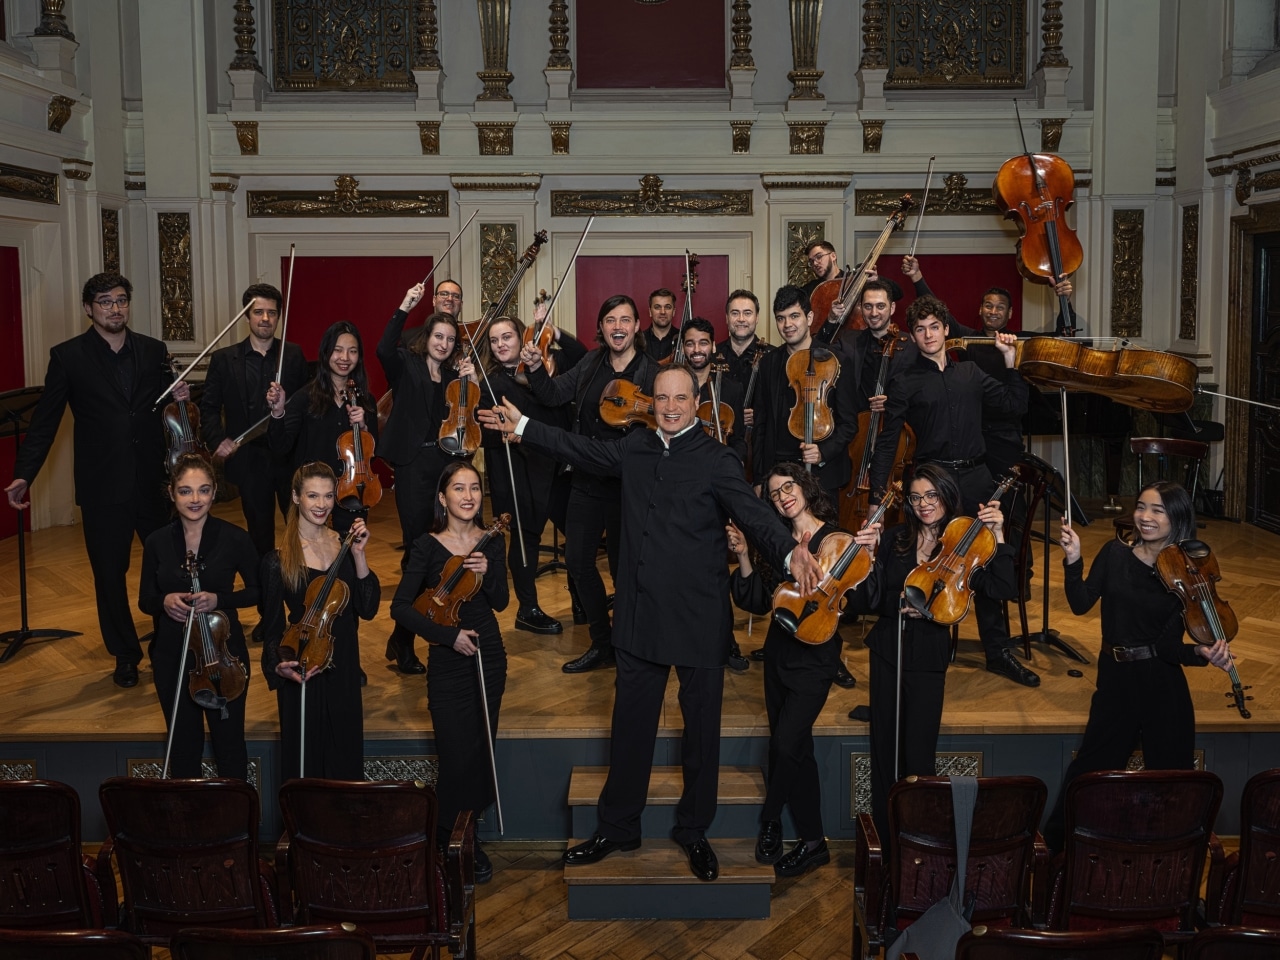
[[225, 551], [335, 714], [453, 688]]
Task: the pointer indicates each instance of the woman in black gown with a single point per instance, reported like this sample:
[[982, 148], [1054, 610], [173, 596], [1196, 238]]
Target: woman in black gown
[[453, 688], [335, 715], [222, 551]]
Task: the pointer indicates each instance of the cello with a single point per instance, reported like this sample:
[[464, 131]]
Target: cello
[[359, 486], [811, 373]]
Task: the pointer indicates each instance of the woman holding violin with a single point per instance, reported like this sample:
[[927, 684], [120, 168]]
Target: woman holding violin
[[453, 691], [797, 676], [1142, 695], [223, 552], [335, 714]]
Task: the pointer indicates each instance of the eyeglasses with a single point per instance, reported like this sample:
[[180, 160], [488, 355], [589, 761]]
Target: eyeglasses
[[817, 258], [449, 296], [106, 304], [915, 499], [783, 491]]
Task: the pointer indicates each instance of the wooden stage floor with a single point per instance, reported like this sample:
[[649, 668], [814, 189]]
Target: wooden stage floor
[[62, 690]]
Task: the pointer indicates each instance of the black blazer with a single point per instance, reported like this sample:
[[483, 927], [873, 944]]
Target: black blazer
[[408, 426], [224, 406], [120, 445]]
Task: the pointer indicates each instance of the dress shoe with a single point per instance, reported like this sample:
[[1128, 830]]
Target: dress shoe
[[769, 843], [406, 660], [596, 849], [861, 713], [737, 662], [801, 858], [702, 859], [844, 678], [535, 621], [1007, 665], [125, 675], [483, 865], [579, 615], [758, 655], [594, 659]]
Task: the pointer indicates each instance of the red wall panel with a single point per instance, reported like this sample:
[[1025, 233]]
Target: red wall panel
[[622, 44], [599, 278], [960, 280]]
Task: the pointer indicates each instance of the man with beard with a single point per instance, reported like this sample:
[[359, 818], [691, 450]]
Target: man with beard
[[742, 349], [826, 266], [699, 352], [660, 339]]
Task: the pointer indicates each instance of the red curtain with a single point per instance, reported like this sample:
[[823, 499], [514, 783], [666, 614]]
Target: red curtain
[[363, 290], [12, 374], [960, 280], [637, 46], [599, 278]]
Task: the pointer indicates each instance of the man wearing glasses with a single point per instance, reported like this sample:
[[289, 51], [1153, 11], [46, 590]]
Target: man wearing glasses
[[448, 298], [111, 377]]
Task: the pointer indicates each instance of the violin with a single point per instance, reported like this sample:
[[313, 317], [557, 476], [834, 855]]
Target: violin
[[847, 288], [310, 640], [460, 430], [182, 427], [688, 283], [814, 617], [716, 416], [1190, 571], [542, 335], [217, 677], [442, 604], [358, 486], [811, 374], [622, 404], [472, 332], [940, 587]]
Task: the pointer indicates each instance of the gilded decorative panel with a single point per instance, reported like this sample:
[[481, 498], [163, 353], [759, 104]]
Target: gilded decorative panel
[[956, 199], [800, 234], [177, 313], [741, 130], [426, 768], [348, 200], [346, 45], [151, 768], [59, 112], [945, 765], [498, 257], [23, 183], [1189, 277], [1126, 273], [429, 137], [17, 770], [807, 137], [496, 138], [651, 200], [956, 44], [110, 241]]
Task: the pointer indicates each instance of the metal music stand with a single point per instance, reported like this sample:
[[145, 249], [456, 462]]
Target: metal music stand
[[16, 407]]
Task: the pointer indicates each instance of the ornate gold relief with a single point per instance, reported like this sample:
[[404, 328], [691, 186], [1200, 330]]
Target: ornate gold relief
[[245, 30], [497, 138], [110, 240], [741, 135], [872, 134], [1051, 135], [17, 770], [1244, 186], [152, 768], [498, 256], [801, 234], [353, 45], [1051, 54], [558, 30], [74, 169], [956, 198], [741, 58], [560, 137], [495, 34], [807, 136], [1126, 273], [429, 137], [224, 183], [1189, 272], [347, 200], [53, 22], [426, 56], [247, 137], [177, 315], [806, 19], [941, 44], [954, 764], [651, 200], [23, 183], [873, 51], [1266, 181], [59, 112]]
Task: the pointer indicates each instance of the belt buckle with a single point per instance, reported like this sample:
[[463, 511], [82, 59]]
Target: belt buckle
[[1116, 654]]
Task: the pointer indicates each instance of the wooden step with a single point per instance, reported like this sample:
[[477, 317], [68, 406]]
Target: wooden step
[[655, 883], [740, 797]]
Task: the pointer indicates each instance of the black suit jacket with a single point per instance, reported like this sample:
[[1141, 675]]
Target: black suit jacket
[[408, 426], [225, 406], [119, 441]]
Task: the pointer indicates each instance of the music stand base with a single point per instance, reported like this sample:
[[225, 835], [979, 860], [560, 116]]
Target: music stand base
[[14, 639], [1051, 638], [551, 567]]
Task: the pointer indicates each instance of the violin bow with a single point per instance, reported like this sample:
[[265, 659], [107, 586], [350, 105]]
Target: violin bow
[[453, 243], [284, 322], [928, 178], [488, 737], [565, 279], [177, 693], [511, 468], [191, 366]]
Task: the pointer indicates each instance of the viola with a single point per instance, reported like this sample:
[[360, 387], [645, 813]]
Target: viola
[[811, 374], [182, 427], [688, 283], [940, 587], [442, 604], [460, 430], [217, 677], [310, 640], [814, 617], [716, 416], [1190, 572], [622, 404], [359, 485]]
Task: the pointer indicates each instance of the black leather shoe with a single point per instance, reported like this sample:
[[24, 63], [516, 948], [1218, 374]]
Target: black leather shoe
[[801, 858], [861, 713], [769, 843], [579, 615], [594, 659], [535, 621], [702, 859], [406, 660], [484, 866], [844, 678], [758, 655], [737, 662], [125, 675], [596, 849], [1007, 665]]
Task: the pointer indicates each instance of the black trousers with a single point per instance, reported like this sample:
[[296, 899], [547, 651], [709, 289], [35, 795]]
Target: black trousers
[[793, 698], [532, 493], [226, 734], [416, 483], [976, 487], [1146, 702], [264, 483], [637, 706], [595, 509], [108, 539]]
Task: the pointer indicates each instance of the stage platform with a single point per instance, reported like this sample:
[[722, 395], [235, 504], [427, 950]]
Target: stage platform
[[62, 718]]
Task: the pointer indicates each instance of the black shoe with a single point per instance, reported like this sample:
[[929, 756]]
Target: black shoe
[[594, 659], [758, 655], [259, 632], [406, 660], [769, 843], [483, 865], [737, 662], [1007, 665], [802, 858], [579, 615], [844, 678], [702, 859], [535, 621], [861, 713], [125, 675], [596, 849]]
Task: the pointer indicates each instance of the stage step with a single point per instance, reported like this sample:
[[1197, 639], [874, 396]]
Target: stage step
[[654, 883], [741, 795]]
